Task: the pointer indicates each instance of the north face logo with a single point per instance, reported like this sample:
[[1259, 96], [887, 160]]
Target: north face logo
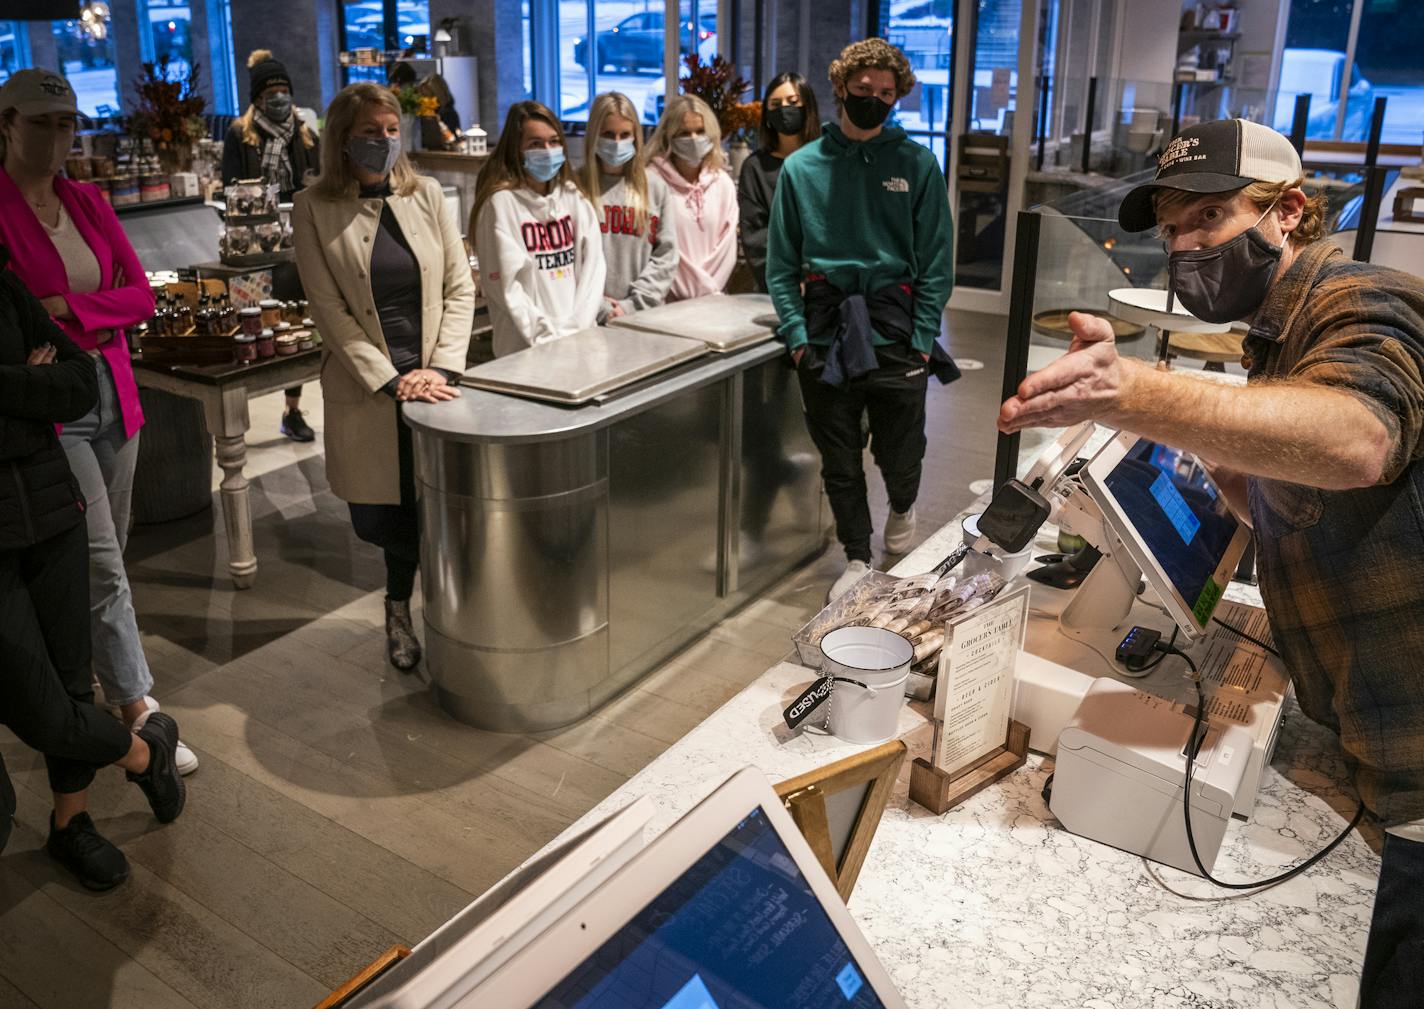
[[896, 185]]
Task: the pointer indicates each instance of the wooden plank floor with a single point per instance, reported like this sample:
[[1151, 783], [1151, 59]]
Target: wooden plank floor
[[337, 810]]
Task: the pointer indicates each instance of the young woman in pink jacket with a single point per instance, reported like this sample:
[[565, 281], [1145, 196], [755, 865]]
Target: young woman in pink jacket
[[68, 248], [686, 152]]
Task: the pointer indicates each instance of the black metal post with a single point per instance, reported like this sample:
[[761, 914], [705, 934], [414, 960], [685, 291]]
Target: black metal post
[[758, 67], [1042, 115], [1026, 235], [1374, 186], [1298, 123], [1088, 123], [1179, 93]]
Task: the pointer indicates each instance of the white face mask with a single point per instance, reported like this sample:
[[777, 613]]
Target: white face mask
[[691, 150]]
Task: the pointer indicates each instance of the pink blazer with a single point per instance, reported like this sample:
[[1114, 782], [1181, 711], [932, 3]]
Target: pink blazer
[[123, 298]]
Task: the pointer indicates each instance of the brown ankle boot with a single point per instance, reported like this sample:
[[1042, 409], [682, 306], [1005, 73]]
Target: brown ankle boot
[[402, 648]]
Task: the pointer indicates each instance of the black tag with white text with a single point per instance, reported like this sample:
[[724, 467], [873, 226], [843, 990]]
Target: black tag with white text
[[809, 701]]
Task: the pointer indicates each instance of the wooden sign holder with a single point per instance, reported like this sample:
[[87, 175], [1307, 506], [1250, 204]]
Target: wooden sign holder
[[938, 791]]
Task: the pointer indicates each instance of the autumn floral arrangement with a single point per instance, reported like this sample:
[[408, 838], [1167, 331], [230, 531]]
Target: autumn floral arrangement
[[716, 83], [169, 114], [413, 103]]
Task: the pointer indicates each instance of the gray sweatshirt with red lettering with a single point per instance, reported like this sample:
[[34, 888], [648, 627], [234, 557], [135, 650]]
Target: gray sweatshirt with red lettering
[[640, 261]]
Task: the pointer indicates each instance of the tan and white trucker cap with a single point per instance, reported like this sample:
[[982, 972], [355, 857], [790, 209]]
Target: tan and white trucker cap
[[34, 92], [1214, 157]]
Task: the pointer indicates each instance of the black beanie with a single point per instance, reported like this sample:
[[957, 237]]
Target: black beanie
[[263, 74]]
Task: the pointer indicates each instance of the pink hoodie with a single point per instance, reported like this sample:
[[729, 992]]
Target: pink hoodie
[[123, 298], [706, 221]]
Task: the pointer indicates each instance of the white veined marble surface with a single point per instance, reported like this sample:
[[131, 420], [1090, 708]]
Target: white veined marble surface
[[994, 905]]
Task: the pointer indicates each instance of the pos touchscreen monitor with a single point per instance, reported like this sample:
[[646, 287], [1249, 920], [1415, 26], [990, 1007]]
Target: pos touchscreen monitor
[[1173, 521]]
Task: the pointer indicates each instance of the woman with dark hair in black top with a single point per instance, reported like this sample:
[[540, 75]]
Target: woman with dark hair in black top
[[46, 693], [789, 119]]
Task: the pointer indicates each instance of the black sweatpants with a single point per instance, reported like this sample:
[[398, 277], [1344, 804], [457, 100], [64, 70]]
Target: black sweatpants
[[395, 528], [893, 395], [1393, 971], [46, 683]]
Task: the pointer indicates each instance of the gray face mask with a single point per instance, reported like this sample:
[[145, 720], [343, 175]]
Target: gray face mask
[[374, 155], [277, 107], [1228, 281]]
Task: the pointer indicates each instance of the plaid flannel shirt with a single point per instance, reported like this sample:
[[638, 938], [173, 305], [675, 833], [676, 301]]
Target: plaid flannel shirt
[[1342, 572]]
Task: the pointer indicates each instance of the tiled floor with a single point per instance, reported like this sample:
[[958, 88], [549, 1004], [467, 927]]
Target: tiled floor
[[337, 810]]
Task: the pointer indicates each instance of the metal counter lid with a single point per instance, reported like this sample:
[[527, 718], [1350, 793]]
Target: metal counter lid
[[722, 321], [583, 365]]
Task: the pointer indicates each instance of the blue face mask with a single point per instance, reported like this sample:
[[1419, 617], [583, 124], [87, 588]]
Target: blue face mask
[[543, 165], [615, 152]]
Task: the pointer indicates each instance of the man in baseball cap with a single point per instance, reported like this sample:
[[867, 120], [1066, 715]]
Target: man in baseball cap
[[37, 93], [1322, 452]]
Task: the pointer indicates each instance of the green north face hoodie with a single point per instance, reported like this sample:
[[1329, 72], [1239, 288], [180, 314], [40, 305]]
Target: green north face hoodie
[[865, 215]]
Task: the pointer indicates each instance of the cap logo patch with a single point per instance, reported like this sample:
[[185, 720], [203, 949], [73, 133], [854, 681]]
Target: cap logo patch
[[55, 86], [1179, 150]]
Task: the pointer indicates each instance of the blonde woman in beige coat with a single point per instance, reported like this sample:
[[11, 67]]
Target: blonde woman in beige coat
[[390, 290]]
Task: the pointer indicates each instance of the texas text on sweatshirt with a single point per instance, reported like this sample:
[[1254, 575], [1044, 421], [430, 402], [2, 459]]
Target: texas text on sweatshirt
[[640, 261], [705, 216], [541, 265]]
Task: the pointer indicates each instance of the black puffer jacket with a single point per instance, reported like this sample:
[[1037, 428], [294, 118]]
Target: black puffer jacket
[[39, 496]]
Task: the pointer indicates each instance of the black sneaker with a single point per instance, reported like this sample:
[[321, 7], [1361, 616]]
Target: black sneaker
[[83, 851], [161, 783], [295, 428]]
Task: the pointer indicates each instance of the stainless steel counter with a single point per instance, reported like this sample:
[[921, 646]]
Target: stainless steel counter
[[567, 551]]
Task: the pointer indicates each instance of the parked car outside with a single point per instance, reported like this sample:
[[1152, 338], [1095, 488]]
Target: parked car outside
[[1317, 72], [635, 44]]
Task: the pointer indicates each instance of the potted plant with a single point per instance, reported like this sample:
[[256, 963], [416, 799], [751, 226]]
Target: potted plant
[[745, 121], [414, 107], [169, 114]]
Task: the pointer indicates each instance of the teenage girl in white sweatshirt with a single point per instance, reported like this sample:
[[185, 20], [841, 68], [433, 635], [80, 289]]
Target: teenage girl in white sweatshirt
[[536, 235]]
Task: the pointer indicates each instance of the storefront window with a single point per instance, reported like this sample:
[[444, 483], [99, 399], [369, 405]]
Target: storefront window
[[1313, 63], [89, 65], [167, 37], [925, 33], [413, 24], [597, 46], [14, 48], [1388, 65]]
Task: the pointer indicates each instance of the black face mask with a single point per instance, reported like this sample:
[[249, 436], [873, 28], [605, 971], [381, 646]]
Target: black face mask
[[788, 120], [865, 111], [1226, 282]]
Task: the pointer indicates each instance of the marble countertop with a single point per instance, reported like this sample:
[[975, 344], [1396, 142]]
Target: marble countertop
[[994, 905]]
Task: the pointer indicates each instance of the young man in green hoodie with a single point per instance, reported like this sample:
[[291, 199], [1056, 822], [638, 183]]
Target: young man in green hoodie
[[859, 266]]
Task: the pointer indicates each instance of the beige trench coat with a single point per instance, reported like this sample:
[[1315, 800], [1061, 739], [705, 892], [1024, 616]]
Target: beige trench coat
[[333, 240]]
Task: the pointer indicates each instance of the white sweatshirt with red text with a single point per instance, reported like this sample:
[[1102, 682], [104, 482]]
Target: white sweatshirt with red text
[[541, 265]]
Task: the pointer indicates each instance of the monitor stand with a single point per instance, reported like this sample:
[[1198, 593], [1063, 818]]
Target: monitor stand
[[1104, 600]]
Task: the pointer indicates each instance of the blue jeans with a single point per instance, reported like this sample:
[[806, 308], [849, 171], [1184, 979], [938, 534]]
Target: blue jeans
[[103, 462]]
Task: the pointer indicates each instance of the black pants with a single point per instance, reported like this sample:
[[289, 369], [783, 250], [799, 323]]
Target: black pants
[[894, 398], [395, 528], [1393, 972], [46, 684]]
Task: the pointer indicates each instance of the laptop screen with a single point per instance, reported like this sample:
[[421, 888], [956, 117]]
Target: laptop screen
[[740, 929], [1179, 515]]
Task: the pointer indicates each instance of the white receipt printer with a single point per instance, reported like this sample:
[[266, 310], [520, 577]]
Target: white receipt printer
[[1121, 766]]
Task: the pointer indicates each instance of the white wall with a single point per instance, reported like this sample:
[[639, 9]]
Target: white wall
[[1148, 30]]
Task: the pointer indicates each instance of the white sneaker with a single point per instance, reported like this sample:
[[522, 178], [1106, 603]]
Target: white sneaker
[[853, 573], [899, 531], [184, 759]]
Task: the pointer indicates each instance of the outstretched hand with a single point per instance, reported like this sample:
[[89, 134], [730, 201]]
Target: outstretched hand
[[1086, 383]]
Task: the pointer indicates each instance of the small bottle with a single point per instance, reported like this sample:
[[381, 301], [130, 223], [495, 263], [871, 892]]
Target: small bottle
[[158, 326], [181, 318]]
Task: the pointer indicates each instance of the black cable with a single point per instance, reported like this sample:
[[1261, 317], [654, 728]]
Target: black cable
[[1187, 803], [1246, 637]]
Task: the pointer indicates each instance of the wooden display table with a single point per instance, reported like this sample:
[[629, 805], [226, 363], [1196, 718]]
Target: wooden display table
[[223, 390], [1216, 349]]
